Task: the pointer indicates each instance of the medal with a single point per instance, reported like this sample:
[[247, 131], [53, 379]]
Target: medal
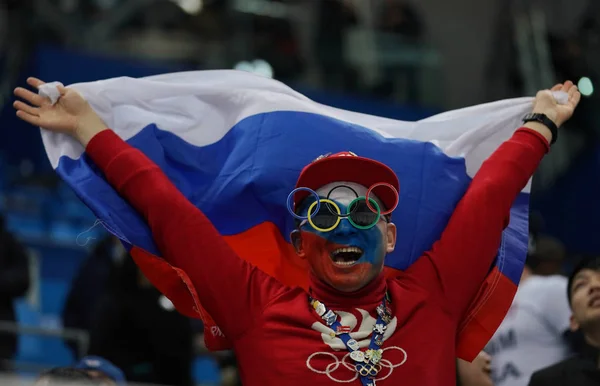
[[379, 328], [330, 317], [374, 356], [353, 345], [367, 363], [319, 307], [382, 309], [357, 356]]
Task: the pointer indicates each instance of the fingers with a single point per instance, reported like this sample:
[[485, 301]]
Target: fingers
[[566, 86], [572, 91], [18, 105], [485, 356], [35, 82], [575, 98], [574, 94], [32, 119], [557, 87], [32, 98]]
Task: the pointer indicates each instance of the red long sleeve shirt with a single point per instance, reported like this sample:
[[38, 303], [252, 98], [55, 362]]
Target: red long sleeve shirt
[[276, 337]]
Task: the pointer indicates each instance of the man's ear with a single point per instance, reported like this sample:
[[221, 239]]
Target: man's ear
[[296, 237], [391, 237], [573, 324]]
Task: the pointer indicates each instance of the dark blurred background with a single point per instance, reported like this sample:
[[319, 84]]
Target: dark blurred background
[[406, 60]]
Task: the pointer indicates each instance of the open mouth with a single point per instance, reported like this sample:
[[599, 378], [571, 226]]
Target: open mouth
[[346, 256], [594, 301]]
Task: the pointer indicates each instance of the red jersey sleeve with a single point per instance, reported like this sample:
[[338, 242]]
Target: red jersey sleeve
[[231, 290], [459, 262]]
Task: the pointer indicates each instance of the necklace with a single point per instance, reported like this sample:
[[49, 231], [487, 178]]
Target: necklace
[[366, 363]]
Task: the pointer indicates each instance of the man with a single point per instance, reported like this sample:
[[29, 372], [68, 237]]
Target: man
[[89, 285], [407, 324], [532, 336], [14, 283], [584, 297], [138, 330]]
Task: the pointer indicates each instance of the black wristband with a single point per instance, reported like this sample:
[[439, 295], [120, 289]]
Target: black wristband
[[544, 120]]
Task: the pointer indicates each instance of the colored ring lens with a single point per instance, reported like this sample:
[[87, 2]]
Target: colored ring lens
[[369, 200], [355, 202], [329, 195], [291, 198], [337, 220]]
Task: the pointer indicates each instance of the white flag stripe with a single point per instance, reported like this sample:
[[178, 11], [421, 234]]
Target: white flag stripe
[[202, 106]]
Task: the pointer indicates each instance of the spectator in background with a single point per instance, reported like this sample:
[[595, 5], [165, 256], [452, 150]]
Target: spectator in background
[[14, 282], [546, 256], [582, 369], [276, 43], [532, 336], [90, 284], [476, 373], [400, 18], [139, 330], [335, 18]]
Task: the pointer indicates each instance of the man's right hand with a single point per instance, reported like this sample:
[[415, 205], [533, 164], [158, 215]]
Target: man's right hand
[[71, 115]]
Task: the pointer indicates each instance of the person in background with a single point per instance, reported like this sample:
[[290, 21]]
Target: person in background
[[476, 373], [14, 283], [582, 369], [139, 330], [101, 369], [335, 18], [532, 336], [68, 376], [402, 19], [547, 256], [89, 285]]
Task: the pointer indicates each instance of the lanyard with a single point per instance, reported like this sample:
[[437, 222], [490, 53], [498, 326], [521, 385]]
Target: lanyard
[[366, 363]]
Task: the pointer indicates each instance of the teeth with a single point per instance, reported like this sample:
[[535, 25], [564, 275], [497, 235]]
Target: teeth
[[345, 262], [347, 249]]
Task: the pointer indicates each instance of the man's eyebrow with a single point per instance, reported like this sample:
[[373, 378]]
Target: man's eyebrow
[[580, 275]]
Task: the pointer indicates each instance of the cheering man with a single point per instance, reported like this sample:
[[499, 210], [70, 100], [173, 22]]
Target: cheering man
[[354, 325]]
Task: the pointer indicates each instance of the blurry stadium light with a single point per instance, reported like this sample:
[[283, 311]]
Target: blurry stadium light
[[192, 7], [259, 67], [262, 8], [586, 88]]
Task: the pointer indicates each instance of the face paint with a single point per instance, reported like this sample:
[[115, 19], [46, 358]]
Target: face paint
[[347, 258]]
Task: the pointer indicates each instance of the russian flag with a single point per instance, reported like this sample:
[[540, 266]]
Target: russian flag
[[234, 144]]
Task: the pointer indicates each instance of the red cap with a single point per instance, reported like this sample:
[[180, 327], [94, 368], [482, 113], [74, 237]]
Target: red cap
[[347, 166]]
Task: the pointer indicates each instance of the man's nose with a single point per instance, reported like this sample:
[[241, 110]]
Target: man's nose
[[345, 228], [594, 285]]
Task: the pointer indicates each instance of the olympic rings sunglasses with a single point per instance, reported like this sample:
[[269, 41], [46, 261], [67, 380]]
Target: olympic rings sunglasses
[[327, 215]]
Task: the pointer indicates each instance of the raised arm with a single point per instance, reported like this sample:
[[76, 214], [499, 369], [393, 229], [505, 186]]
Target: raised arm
[[462, 258], [232, 291]]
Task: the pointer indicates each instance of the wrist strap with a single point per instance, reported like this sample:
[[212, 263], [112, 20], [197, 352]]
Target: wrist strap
[[544, 120]]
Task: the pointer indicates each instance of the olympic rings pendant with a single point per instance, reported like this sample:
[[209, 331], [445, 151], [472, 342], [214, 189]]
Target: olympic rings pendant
[[368, 369]]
